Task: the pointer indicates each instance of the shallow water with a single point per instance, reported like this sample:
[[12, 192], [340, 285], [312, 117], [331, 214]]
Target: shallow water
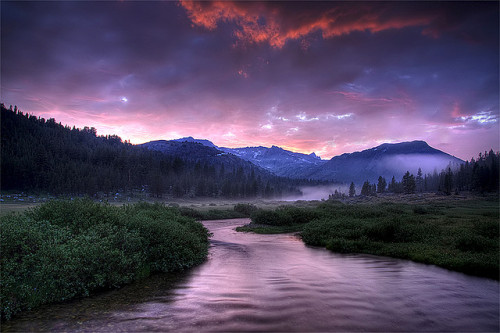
[[276, 283]]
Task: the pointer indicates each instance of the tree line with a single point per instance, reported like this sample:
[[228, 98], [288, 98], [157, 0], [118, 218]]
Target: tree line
[[39, 155], [479, 175]]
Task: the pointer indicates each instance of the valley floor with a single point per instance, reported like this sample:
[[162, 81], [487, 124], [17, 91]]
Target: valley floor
[[20, 201]]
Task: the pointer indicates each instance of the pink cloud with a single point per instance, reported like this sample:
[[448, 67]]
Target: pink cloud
[[281, 25]]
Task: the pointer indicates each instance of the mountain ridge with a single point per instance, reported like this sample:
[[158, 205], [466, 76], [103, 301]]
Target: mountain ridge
[[386, 160], [279, 161]]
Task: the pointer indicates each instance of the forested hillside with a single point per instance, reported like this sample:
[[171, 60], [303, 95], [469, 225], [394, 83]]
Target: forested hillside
[[477, 175], [41, 155]]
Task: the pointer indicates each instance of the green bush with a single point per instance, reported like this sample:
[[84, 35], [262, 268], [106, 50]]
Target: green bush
[[386, 231], [190, 212], [420, 210], [299, 215], [64, 249], [347, 246], [284, 216], [271, 217], [319, 232], [489, 229], [245, 209], [78, 215], [472, 243]]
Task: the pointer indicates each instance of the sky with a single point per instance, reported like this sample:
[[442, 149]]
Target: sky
[[324, 77]]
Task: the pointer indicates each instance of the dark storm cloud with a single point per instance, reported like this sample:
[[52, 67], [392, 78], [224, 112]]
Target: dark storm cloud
[[324, 76]]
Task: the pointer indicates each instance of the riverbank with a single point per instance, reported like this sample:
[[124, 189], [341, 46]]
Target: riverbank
[[460, 234], [67, 249], [274, 283]]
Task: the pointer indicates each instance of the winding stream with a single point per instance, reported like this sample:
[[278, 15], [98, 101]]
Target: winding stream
[[276, 283]]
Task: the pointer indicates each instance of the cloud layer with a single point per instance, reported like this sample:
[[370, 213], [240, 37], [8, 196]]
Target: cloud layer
[[323, 76]]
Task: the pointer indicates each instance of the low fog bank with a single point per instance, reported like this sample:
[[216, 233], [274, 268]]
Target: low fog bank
[[318, 192], [399, 164]]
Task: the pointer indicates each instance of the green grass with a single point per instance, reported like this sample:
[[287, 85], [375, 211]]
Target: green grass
[[263, 229], [66, 249], [460, 235], [8, 208]]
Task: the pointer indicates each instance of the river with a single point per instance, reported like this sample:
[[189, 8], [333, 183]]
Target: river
[[276, 283]]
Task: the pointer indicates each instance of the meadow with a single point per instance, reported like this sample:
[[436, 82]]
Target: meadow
[[460, 235]]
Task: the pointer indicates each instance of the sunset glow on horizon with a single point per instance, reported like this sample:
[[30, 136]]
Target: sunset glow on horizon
[[323, 77]]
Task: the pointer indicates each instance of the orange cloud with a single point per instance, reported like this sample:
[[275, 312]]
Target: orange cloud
[[275, 24]]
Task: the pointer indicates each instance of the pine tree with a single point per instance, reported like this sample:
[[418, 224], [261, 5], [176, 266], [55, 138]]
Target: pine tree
[[448, 182], [408, 183], [366, 189], [352, 190], [381, 184], [392, 185], [419, 182]]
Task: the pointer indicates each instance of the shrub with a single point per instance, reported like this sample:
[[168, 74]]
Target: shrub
[[420, 210], [298, 215], [245, 208], [78, 215], [472, 243], [285, 216], [319, 232], [489, 229], [346, 246], [190, 212], [63, 249], [271, 217], [386, 231]]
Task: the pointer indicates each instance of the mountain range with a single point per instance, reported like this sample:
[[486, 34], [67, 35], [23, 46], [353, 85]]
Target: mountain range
[[277, 160], [387, 160], [193, 150]]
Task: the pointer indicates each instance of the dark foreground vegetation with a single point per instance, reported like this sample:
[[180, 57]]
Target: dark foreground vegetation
[[458, 235], [62, 250]]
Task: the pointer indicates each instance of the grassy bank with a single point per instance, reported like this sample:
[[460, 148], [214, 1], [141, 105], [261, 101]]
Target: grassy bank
[[460, 235], [62, 250]]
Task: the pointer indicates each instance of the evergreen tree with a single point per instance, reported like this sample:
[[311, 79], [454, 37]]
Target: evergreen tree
[[392, 185], [381, 184], [448, 182], [419, 181], [408, 183], [366, 189], [352, 190]]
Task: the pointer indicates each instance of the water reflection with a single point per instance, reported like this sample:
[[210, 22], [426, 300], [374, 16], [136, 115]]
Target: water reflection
[[275, 283], [77, 314]]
